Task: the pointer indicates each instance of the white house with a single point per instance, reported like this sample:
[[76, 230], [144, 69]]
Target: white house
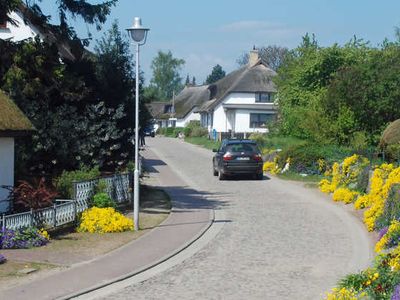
[[243, 101], [13, 123], [28, 25]]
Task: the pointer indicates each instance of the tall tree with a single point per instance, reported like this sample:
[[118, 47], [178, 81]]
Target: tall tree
[[187, 82], [166, 78], [216, 74], [90, 13], [194, 81], [273, 56]]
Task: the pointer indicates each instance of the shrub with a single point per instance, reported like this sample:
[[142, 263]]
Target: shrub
[[2, 259], [64, 182], [23, 238], [391, 209], [33, 197], [304, 157], [199, 132], [104, 220], [344, 195], [102, 200], [259, 138]]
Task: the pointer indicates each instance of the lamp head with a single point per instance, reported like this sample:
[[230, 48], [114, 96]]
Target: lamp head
[[137, 32]]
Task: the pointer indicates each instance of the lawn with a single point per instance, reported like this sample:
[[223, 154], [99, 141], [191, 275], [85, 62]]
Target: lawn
[[203, 141]]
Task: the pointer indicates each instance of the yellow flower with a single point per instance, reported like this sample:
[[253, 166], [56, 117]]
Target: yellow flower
[[104, 220], [344, 195]]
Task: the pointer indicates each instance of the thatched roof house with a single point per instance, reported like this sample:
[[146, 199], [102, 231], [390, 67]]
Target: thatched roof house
[[13, 123]]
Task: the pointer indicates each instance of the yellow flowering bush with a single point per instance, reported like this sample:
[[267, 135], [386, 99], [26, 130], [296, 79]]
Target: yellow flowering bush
[[344, 195], [394, 261], [390, 238], [343, 175], [44, 234], [375, 200], [104, 220], [344, 294], [271, 167]]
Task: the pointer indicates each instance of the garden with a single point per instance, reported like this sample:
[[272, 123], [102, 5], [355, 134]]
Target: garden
[[105, 225]]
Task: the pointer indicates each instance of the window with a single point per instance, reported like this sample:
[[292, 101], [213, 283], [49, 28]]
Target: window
[[260, 120], [265, 97]]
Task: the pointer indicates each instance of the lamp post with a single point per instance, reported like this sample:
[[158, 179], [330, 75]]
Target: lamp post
[[138, 33]]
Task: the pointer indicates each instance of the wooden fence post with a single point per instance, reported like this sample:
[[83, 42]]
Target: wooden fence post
[[3, 226], [32, 217]]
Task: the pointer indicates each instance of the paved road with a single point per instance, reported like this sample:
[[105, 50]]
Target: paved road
[[280, 240]]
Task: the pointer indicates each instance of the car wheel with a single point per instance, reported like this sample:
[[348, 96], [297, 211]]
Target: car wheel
[[215, 172], [260, 176], [221, 176]]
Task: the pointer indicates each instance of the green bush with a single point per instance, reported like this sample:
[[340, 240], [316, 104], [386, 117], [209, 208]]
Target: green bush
[[199, 132], [64, 182], [176, 131], [101, 186], [391, 210], [304, 158], [102, 200], [259, 138]]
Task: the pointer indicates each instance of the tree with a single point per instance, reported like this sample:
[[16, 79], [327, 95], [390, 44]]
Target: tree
[[273, 56], [187, 82], [216, 74], [194, 81], [166, 78], [90, 13]]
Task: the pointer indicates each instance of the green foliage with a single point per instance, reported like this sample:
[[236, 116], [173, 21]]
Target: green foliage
[[64, 182], [102, 200], [391, 209], [339, 94], [304, 158], [82, 110], [259, 138], [199, 132], [166, 78], [101, 186], [203, 141], [216, 74]]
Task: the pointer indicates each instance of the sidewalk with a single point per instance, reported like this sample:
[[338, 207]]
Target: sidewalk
[[188, 220]]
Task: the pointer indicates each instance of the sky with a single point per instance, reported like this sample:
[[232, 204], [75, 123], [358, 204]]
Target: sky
[[205, 33]]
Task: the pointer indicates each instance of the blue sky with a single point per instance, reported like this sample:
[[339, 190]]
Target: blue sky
[[206, 33]]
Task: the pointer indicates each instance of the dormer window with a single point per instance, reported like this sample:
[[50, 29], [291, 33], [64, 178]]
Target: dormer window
[[265, 97]]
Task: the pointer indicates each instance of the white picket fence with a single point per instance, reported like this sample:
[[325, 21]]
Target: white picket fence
[[66, 211]]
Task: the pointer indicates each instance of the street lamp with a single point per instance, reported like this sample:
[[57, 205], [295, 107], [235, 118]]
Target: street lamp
[[138, 35]]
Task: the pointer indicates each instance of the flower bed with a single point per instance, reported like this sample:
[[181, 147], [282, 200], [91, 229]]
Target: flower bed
[[104, 220], [23, 238]]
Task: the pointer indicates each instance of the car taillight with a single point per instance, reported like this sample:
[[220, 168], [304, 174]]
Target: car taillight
[[227, 157], [257, 157]]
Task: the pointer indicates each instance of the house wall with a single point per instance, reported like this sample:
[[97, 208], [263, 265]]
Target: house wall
[[243, 120], [192, 116], [18, 32], [240, 98], [6, 170], [237, 120]]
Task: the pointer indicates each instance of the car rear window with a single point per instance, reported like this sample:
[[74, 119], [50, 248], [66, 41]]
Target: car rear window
[[241, 148]]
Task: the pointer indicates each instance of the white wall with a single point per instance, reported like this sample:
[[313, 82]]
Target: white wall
[[192, 116], [220, 121], [6, 169], [243, 120], [18, 32], [240, 98]]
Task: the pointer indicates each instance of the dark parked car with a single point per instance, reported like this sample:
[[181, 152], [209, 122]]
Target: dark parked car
[[236, 157], [149, 131]]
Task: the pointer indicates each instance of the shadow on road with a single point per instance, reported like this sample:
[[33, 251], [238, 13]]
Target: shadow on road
[[150, 164]]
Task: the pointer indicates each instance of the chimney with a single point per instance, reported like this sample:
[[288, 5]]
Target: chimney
[[253, 57]]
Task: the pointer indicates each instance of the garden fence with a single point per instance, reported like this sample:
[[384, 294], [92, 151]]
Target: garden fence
[[66, 211]]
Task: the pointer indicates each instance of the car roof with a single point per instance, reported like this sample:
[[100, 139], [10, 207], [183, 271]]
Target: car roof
[[237, 141]]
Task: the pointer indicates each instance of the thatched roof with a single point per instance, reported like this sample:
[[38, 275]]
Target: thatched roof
[[13, 122], [255, 78], [189, 98], [391, 135]]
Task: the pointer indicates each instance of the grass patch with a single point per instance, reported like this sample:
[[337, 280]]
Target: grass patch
[[203, 141], [298, 177]]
